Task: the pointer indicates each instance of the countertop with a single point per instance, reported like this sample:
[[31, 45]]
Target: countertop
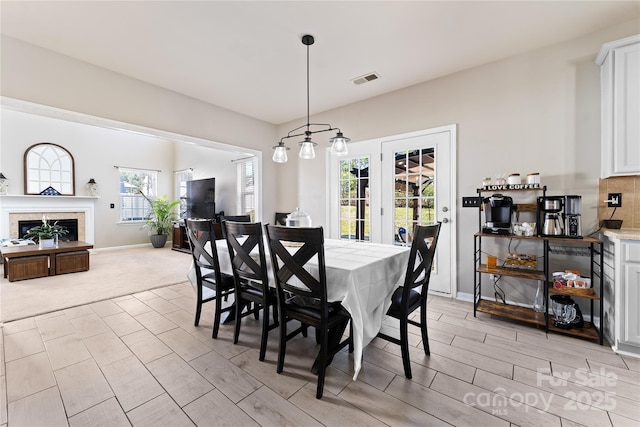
[[623, 233]]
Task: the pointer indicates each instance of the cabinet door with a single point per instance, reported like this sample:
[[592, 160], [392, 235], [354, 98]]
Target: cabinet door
[[626, 110], [608, 289], [631, 302]]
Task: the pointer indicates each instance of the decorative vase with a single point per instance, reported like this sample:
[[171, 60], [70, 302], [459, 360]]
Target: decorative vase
[[538, 302], [158, 240]]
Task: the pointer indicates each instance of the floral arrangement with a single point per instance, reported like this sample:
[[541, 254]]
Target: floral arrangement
[[45, 231]]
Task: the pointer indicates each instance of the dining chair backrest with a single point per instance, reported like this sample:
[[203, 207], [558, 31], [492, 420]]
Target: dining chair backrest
[[423, 249], [201, 235], [292, 249], [242, 239], [236, 218]]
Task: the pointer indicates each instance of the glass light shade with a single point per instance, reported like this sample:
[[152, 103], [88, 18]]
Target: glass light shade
[[339, 147], [280, 154], [306, 149]]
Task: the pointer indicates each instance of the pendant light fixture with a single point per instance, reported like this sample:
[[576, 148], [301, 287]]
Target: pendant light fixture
[[307, 146]]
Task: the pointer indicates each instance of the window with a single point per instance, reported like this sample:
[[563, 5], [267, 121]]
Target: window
[[48, 165], [246, 188], [133, 206], [355, 212], [414, 196], [181, 178]]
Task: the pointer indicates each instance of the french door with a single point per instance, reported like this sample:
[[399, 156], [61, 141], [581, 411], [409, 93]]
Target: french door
[[385, 187]]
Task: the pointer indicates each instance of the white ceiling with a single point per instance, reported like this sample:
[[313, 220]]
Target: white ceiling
[[248, 57]]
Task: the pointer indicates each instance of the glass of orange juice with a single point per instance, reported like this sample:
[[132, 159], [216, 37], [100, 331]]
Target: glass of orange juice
[[491, 261]]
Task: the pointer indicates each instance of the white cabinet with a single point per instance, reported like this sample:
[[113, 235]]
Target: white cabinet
[[620, 96], [630, 295], [622, 294]]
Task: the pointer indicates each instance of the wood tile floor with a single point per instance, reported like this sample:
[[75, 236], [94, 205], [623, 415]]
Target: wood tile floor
[[138, 360]]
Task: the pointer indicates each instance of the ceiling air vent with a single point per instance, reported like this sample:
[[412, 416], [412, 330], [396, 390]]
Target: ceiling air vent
[[366, 78]]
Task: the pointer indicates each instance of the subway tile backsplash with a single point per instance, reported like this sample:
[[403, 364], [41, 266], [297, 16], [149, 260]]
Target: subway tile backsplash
[[629, 213]]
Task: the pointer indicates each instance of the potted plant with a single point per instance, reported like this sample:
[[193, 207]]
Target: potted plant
[[161, 219], [47, 234]]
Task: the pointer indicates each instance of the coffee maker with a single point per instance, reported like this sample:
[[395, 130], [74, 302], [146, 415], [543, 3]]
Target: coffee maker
[[572, 216], [550, 217], [497, 210], [566, 312]]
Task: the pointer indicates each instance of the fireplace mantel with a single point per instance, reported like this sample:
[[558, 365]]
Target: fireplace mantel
[[12, 204]]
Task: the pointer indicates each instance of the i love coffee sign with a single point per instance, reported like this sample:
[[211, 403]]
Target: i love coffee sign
[[512, 187]]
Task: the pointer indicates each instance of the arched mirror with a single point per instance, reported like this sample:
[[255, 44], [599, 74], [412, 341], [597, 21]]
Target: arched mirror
[[49, 170]]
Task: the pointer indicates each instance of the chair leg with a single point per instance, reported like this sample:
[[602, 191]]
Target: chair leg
[[283, 342], [216, 318], [256, 311], [238, 309], [351, 336], [198, 307], [265, 332], [275, 313], [323, 363], [404, 346], [423, 328], [198, 311]]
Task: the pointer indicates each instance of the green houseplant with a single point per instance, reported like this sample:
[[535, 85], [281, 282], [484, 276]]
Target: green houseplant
[[161, 219], [46, 234]]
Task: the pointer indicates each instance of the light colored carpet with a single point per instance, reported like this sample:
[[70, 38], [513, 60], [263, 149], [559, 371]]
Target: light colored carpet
[[112, 273]]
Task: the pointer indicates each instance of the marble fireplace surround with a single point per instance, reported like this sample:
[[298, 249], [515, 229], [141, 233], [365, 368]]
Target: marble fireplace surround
[[14, 208]]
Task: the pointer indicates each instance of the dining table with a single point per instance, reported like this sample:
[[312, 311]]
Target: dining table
[[362, 276]]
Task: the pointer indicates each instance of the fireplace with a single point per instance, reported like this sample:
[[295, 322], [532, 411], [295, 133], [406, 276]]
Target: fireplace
[[18, 208], [70, 224]]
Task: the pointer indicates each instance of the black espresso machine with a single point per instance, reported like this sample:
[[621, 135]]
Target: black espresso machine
[[497, 212]]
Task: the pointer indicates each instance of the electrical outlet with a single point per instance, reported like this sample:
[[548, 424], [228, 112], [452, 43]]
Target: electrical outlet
[[112, 205], [614, 200], [471, 202]]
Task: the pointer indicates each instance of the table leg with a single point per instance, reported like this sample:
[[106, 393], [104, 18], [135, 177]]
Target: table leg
[[335, 334], [52, 264]]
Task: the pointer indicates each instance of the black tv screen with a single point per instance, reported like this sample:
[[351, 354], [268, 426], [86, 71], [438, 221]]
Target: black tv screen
[[201, 198]]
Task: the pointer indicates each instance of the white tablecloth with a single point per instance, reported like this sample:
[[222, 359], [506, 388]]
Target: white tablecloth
[[361, 276]]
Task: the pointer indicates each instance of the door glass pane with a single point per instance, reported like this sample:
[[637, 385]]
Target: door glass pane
[[355, 213], [414, 192]]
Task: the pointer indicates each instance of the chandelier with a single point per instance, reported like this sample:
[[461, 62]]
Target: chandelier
[[307, 146]]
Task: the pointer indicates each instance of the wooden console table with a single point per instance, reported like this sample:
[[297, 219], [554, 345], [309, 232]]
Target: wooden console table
[[29, 262]]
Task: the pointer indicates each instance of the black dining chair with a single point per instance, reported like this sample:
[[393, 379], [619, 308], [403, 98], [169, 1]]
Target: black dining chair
[[281, 218], [303, 296], [236, 218], [250, 272], [211, 283], [407, 298]]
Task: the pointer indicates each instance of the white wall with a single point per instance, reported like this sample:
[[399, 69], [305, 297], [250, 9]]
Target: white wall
[[210, 163], [37, 75], [96, 150], [536, 112]]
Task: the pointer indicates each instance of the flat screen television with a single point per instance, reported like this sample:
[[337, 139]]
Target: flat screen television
[[201, 198]]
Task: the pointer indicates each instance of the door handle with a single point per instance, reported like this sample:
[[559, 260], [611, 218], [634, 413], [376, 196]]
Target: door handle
[[445, 220]]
